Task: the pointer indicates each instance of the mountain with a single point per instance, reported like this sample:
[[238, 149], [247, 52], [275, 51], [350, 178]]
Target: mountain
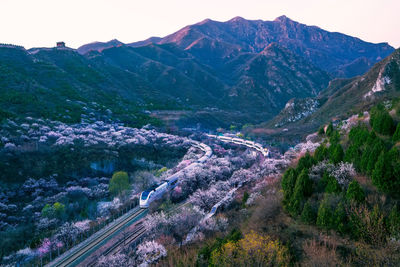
[[341, 99], [212, 73], [98, 46], [250, 88], [213, 42]]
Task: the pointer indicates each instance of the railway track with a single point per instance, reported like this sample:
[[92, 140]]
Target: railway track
[[126, 240], [77, 254]]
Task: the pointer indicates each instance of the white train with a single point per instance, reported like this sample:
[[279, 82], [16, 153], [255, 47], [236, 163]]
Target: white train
[[240, 141], [157, 191]]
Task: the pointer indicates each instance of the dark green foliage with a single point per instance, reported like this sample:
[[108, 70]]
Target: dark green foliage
[[332, 185], [305, 162], [381, 121], [288, 183], [308, 214], [325, 214], [335, 137], [355, 192], [353, 154], [373, 155], [302, 189], [321, 130], [396, 135], [321, 153], [358, 135], [336, 153], [385, 175], [329, 130], [245, 198], [340, 220]]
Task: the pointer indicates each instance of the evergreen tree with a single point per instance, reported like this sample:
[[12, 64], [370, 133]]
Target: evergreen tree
[[365, 159], [332, 185], [353, 155], [329, 130], [340, 218], [302, 189], [321, 130], [288, 183], [381, 121], [358, 135], [308, 215], [373, 156], [325, 214], [355, 192], [305, 162], [321, 153], [336, 153], [396, 135], [335, 137]]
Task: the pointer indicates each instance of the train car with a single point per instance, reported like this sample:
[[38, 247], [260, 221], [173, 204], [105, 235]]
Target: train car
[[151, 194], [250, 143], [226, 139]]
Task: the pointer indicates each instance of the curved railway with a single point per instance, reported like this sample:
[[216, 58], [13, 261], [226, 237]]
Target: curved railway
[[79, 253]]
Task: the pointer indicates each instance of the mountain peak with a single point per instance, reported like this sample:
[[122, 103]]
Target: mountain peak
[[282, 18], [237, 19], [204, 21]]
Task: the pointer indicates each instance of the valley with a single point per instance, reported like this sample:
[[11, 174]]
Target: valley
[[225, 143]]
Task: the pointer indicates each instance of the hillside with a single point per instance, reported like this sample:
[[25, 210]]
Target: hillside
[[343, 98], [152, 78]]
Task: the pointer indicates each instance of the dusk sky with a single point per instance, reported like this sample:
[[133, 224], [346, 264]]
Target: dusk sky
[[41, 23]]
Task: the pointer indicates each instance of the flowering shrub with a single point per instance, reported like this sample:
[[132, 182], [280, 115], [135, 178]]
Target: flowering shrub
[[150, 252]]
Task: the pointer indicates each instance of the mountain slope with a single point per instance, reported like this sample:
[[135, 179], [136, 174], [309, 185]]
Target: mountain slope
[[212, 41], [341, 99]]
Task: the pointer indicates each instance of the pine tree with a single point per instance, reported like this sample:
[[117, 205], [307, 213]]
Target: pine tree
[[329, 130], [396, 135], [321, 153], [288, 183], [340, 218], [308, 215], [336, 153], [305, 162], [325, 215], [302, 189], [373, 156], [355, 192], [332, 185]]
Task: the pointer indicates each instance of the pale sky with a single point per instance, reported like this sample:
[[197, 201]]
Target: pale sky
[[35, 23]]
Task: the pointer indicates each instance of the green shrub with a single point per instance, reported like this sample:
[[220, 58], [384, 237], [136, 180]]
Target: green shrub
[[119, 183]]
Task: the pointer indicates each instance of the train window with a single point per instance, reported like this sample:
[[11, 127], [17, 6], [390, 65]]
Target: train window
[[145, 194]]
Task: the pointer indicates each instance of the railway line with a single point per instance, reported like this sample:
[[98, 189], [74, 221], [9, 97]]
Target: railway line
[[75, 255], [79, 253]]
